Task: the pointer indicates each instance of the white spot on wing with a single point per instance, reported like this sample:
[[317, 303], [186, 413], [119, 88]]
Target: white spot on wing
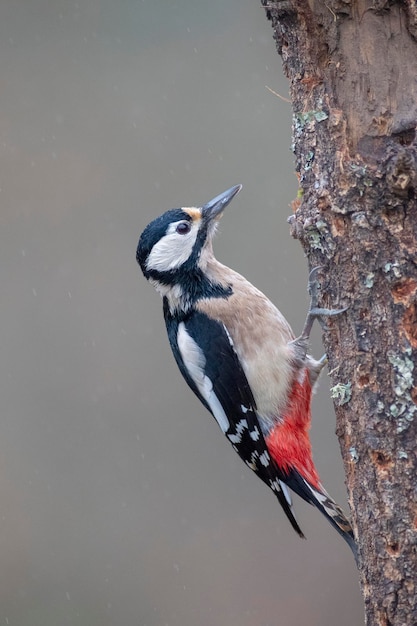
[[255, 434], [253, 457], [194, 361], [240, 427], [265, 458]]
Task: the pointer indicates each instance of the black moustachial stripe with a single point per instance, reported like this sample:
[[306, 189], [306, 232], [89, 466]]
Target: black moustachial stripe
[[194, 284]]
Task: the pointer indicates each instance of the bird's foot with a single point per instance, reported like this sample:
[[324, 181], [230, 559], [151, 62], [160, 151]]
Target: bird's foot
[[314, 311]]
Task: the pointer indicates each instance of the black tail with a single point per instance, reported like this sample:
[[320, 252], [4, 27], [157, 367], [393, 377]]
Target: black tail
[[322, 501], [281, 491]]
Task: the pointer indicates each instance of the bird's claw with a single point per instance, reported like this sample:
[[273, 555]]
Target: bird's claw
[[314, 310], [318, 312]]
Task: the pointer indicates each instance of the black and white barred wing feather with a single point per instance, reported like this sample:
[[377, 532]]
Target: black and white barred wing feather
[[205, 356]]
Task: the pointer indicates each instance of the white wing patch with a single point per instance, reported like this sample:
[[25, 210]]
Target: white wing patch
[[194, 361], [173, 249]]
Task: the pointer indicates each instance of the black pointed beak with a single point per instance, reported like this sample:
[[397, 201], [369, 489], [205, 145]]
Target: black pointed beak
[[215, 207]]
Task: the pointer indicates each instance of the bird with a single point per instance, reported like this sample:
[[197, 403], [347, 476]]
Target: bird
[[239, 355]]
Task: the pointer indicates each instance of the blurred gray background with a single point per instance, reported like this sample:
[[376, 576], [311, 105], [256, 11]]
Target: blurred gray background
[[121, 503]]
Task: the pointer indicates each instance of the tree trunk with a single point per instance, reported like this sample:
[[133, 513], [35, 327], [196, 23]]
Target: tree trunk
[[352, 66]]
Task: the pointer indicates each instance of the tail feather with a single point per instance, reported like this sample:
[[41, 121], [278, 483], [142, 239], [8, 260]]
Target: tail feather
[[319, 498], [281, 491]]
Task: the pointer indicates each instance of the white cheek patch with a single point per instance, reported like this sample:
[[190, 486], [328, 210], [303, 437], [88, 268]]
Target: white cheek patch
[[195, 361], [173, 249]]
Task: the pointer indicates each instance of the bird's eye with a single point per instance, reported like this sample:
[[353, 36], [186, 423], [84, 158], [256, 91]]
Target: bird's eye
[[183, 228]]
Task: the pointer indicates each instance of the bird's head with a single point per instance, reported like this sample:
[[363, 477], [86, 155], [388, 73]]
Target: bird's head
[[173, 245]]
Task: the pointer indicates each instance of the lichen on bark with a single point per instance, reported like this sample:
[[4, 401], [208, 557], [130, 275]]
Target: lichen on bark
[[352, 67]]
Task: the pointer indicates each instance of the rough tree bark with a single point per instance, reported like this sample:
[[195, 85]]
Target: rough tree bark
[[352, 66]]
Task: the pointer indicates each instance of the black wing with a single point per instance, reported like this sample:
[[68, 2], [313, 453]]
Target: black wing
[[205, 355]]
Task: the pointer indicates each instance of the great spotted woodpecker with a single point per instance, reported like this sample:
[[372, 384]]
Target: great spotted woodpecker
[[239, 355]]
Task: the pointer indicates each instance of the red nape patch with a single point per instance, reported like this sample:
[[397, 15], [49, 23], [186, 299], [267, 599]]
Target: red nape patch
[[288, 442]]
